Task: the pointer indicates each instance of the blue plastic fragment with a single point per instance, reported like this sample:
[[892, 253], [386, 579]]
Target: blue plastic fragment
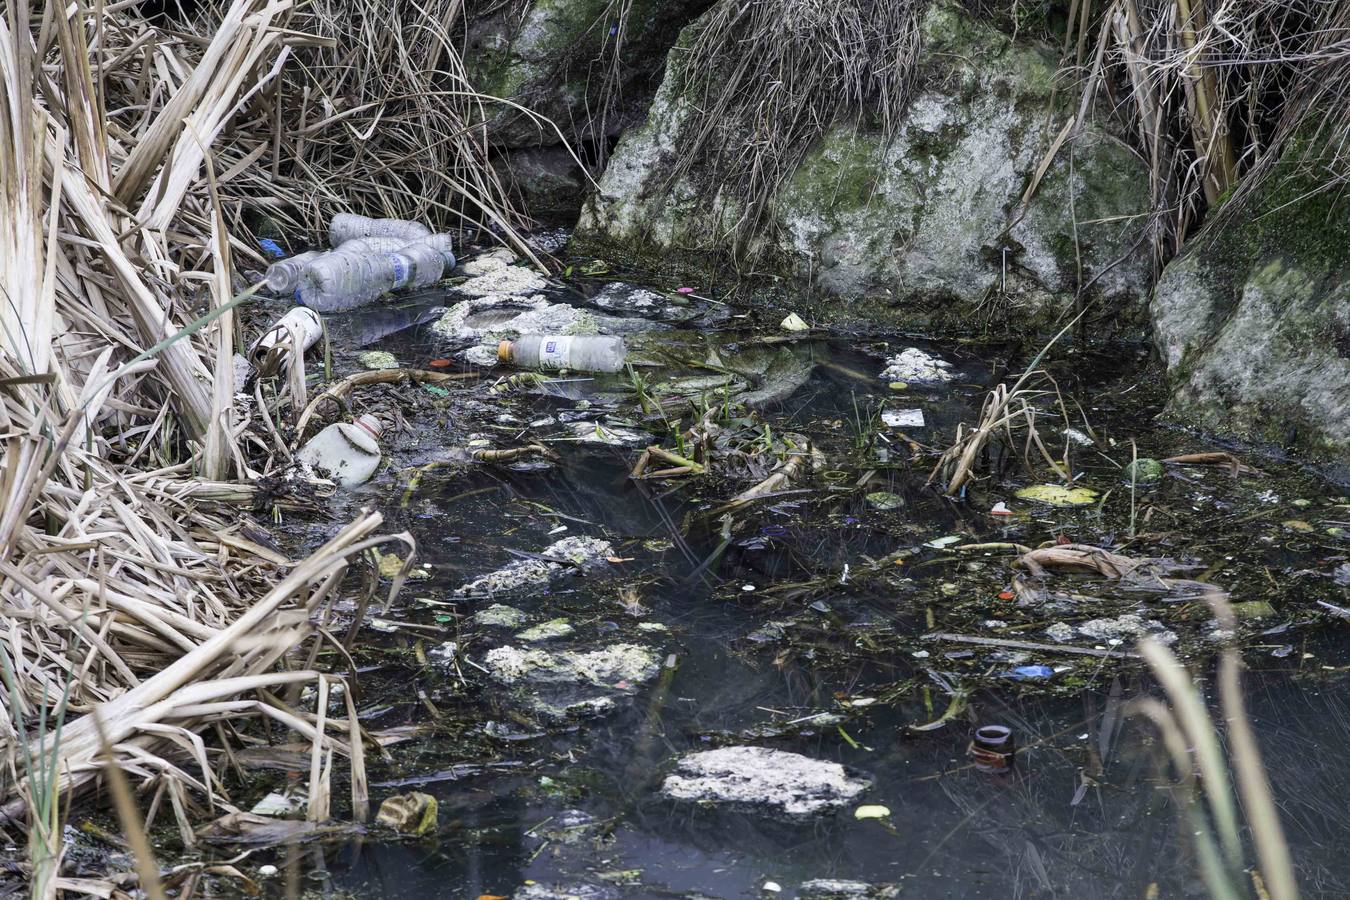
[[1031, 673], [272, 247]]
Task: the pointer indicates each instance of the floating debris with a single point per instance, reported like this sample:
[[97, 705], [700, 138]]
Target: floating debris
[[533, 574], [902, 418], [1058, 495], [444, 655], [499, 615], [834, 889], [378, 359], [1127, 627], [872, 812], [620, 666], [546, 631], [411, 813], [763, 780], [1143, 471], [913, 366]]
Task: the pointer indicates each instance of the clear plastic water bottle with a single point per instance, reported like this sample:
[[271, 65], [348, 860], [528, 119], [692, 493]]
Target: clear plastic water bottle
[[346, 226], [373, 244], [580, 353], [347, 453], [340, 281], [426, 262], [284, 277], [441, 243]]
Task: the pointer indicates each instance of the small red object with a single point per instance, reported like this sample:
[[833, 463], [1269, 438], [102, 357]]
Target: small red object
[[1006, 595], [684, 290], [439, 363]]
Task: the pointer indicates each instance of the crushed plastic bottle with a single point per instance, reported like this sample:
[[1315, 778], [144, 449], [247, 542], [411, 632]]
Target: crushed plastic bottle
[[284, 277], [580, 353], [346, 226], [306, 324], [348, 453], [340, 281]]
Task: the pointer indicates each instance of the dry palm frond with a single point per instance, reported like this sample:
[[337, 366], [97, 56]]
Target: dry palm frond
[[1216, 458], [1080, 558]]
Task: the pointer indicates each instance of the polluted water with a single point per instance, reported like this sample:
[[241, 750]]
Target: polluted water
[[709, 620]]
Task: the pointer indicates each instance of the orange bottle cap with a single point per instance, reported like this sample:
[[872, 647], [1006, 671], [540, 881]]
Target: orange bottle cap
[[504, 351]]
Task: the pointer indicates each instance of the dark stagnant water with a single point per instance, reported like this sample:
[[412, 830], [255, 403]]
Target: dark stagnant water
[[575, 806]]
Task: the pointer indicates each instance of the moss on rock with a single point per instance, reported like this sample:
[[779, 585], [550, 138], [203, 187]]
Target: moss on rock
[[923, 226], [1253, 321]]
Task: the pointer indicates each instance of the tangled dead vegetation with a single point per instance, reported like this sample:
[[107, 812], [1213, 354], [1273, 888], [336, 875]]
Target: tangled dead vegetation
[[770, 76], [141, 605], [1215, 93]]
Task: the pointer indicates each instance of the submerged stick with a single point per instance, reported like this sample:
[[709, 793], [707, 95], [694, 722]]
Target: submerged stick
[[344, 387]]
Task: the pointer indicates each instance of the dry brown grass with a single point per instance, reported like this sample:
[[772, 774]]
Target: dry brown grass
[[1216, 92], [132, 582], [770, 76]]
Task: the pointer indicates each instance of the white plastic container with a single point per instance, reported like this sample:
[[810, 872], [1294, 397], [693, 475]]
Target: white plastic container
[[346, 226], [579, 353], [306, 324], [284, 277], [348, 453]]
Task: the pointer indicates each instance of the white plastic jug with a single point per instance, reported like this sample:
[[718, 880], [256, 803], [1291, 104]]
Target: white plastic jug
[[348, 453]]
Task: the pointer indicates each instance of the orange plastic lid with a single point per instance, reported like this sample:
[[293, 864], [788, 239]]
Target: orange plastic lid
[[504, 351]]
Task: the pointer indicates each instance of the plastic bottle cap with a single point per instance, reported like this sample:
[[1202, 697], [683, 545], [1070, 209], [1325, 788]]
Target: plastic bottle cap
[[504, 351], [371, 424]]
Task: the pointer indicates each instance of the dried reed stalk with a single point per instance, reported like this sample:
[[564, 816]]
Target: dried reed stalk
[[130, 582]]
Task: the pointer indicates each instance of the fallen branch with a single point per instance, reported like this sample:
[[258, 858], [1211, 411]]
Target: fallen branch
[[338, 392]]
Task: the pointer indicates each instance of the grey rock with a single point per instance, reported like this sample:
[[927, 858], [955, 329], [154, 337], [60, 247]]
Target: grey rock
[[931, 214], [542, 54], [1253, 323], [547, 180]]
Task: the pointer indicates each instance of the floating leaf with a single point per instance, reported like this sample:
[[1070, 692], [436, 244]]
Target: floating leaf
[[1058, 495]]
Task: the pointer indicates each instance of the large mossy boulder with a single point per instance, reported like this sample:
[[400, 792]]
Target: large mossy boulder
[[590, 66], [1253, 320], [926, 227]]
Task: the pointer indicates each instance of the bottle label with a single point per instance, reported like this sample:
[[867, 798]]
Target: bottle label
[[401, 270], [555, 352]]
